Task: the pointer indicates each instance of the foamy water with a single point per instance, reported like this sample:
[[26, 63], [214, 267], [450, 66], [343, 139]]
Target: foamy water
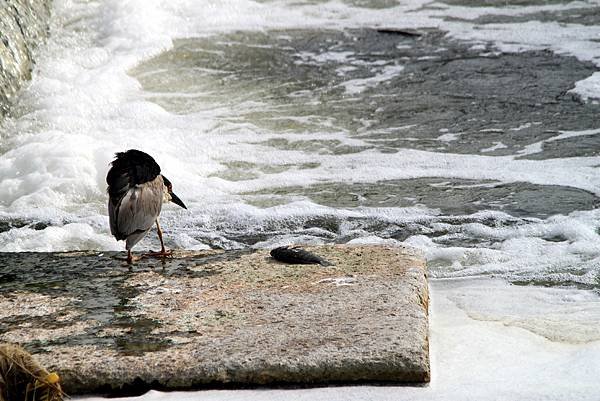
[[83, 105]]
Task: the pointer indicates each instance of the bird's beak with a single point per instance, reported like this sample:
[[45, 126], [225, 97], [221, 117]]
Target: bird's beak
[[175, 199]]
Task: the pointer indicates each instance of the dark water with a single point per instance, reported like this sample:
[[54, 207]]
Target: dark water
[[354, 132], [447, 97]]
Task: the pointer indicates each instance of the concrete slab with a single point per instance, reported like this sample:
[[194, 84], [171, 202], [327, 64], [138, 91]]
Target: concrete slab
[[206, 319]]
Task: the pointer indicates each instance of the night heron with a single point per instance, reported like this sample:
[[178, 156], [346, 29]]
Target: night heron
[[136, 191]]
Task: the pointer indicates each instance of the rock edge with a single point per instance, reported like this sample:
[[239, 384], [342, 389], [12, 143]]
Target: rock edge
[[213, 319]]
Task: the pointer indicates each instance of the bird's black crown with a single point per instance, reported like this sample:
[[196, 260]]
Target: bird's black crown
[[140, 167]]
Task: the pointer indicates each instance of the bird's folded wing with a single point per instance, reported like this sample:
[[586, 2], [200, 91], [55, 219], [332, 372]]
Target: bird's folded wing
[[138, 209], [118, 186]]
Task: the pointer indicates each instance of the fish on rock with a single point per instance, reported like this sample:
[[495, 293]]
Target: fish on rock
[[297, 255]]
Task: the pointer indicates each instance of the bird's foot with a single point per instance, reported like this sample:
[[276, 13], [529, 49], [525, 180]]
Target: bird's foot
[[129, 259], [160, 254]]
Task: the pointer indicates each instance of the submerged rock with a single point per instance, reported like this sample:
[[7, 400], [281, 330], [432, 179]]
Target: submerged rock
[[219, 318]]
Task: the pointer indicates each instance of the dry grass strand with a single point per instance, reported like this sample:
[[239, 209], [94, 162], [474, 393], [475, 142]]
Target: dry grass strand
[[22, 378]]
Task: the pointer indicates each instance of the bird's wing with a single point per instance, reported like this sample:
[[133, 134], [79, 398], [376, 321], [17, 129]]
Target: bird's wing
[[138, 209], [130, 170], [118, 189]]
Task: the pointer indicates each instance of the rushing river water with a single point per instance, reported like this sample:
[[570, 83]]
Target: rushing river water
[[414, 123], [467, 130]]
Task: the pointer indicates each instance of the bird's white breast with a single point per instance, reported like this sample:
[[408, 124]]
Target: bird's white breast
[[166, 194]]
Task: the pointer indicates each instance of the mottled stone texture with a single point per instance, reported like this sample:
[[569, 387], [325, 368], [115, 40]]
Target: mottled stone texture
[[219, 318], [23, 24]]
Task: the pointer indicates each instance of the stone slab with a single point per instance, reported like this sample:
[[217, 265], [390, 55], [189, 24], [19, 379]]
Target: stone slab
[[213, 318]]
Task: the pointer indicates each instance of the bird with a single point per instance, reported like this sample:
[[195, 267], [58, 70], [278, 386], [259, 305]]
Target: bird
[[136, 192]]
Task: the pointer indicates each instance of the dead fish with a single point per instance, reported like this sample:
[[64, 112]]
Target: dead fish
[[298, 255], [402, 32]]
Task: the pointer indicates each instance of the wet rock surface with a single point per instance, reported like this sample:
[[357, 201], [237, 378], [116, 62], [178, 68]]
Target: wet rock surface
[[219, 318], [23, 25]]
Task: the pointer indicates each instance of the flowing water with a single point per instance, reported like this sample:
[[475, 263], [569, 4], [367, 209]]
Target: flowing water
[[467, 129], [347, 122]]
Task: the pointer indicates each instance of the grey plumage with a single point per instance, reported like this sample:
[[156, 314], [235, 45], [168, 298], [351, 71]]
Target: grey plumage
[[136, 191], [135, 214]]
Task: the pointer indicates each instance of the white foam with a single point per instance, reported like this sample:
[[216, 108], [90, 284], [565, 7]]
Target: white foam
[[73, 236], [588, 88], [374, 240], [448, 137], [83, 107], [561, 249], [537, 147], [543, 311], [494, 147], [319, 58], [573, 134], [388, 72], [373, 166]]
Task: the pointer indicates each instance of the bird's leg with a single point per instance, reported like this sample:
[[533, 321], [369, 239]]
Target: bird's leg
[[162, 244], [130, 258], [163, 252]]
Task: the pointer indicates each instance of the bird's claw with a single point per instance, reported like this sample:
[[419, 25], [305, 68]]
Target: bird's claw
[[128, 260], [160, 254]]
